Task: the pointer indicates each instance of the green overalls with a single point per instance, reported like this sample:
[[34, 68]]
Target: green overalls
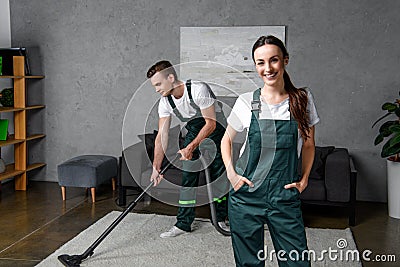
[[190, 172], [270, 161]]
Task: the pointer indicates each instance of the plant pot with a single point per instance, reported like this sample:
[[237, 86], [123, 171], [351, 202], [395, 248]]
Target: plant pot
[[393, 176]]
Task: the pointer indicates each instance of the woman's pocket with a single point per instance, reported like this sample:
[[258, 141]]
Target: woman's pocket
[[277, 148], [243, 188]]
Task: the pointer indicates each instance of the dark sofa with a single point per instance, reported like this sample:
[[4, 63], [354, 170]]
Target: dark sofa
[[332, 180]]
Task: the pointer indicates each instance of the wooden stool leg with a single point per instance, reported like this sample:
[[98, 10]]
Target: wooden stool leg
[[93, 192], [113, 183], [63, 192]]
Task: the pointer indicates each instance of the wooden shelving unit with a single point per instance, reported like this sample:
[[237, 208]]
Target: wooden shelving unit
[[19, 139]]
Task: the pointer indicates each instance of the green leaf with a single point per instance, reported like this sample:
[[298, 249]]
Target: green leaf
[[395, 140], [395, 128], [378, 139], [381, 118], [384, 130], [388, 150], [389, 107], [397, 111]]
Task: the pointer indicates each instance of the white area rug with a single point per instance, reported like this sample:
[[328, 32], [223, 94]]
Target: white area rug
[[136, 242]]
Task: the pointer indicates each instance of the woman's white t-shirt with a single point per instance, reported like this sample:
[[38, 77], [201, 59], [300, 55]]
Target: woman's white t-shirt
[[240, 117]]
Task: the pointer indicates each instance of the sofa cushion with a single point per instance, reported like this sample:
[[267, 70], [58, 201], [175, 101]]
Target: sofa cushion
[[338, 174], [175, 142], [148, 140], [318, 168], [315, 190]]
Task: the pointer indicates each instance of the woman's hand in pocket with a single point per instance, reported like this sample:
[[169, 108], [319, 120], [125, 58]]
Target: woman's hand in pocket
[[300, 186], [238, 181]]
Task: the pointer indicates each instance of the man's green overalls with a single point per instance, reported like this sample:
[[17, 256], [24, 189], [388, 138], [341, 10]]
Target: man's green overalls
[[270, 161], [190, 173]]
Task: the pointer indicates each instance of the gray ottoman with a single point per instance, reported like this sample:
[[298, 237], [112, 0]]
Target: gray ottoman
[[87, 171]]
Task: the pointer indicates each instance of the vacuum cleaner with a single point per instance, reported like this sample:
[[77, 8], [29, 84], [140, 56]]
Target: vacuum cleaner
[[210, 199], [76, 260]]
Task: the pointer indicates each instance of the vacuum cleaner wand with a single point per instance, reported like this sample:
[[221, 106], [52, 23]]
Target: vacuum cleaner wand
[[76, 260]]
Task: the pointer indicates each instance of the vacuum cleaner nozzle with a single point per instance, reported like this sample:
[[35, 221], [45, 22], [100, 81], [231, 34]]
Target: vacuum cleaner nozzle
[[70, 260]]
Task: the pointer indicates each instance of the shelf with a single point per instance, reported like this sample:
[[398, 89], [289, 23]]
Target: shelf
[[10, 77], [10, 109], [34, 137], [35, 166], [10, 172], [20, 145], [35, 107], [10, 141], [34, 77], [20, 77]]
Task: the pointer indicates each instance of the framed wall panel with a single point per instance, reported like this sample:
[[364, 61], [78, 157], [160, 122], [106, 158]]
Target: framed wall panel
[[222, 57]]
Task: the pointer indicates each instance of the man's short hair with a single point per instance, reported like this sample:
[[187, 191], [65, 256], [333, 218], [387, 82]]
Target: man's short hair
[[164, 66]]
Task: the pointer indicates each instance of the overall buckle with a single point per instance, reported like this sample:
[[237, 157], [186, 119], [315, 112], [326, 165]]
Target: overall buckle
[[255, 105]]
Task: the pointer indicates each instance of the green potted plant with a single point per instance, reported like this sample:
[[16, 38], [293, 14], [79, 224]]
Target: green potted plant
[[7, 97], [390, 131]]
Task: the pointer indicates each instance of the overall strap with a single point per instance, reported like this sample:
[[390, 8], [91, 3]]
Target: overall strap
[[189, 89], [176, 111], [214, 96], [192, 103], [256, 103]]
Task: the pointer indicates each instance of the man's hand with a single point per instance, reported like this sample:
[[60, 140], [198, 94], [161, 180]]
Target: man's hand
[[186, 153], [156, 177], [209, 127]]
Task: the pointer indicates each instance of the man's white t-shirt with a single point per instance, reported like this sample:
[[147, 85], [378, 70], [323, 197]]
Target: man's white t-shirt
[[240, 117], [201, 96]]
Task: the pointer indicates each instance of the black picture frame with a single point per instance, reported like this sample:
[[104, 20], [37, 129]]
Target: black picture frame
[[7, 55]]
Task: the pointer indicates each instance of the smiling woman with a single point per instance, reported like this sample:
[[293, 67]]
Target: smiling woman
[[279, 119]]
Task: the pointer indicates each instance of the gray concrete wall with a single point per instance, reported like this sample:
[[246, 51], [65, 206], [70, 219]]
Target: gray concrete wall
[[95, 54]]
